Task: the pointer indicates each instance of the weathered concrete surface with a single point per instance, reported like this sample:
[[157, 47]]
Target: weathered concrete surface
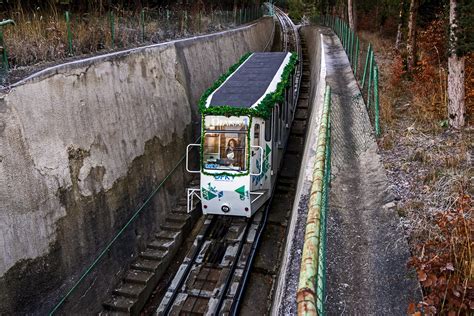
[[285, 296], [367, 252], [82, 144]]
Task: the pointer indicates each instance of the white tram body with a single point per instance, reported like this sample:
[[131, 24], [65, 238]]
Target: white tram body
[[241, 149]]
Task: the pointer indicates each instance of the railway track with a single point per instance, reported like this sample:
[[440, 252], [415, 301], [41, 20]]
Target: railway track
[[212, 278]]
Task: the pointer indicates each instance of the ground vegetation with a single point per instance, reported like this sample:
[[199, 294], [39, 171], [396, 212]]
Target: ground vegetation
[[427, 157], [43, 34]]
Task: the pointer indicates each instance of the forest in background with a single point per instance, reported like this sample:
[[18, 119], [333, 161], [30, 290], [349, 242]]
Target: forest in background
[[427, 153], [424, 49]]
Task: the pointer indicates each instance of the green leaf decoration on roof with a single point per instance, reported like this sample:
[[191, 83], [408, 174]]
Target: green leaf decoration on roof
[[264, 108]]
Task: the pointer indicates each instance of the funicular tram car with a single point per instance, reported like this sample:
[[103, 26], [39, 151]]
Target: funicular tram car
[[246, 119]]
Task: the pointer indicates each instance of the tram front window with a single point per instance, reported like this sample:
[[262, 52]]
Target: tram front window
[[225, 150]]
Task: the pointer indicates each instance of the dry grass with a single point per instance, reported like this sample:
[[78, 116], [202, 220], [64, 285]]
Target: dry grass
[[430, 168], [42, 36], [432, 174]]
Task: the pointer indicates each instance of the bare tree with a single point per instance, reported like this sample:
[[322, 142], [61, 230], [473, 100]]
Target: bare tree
[[411, 41], [351, 14], [400, 25], [456, 92]]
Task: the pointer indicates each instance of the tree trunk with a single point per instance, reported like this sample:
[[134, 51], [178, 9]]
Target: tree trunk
[[400, 25], [350, 13], [456, 92], [411, 42]]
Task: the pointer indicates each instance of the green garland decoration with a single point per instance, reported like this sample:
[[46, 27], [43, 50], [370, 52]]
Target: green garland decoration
[[263, 109]]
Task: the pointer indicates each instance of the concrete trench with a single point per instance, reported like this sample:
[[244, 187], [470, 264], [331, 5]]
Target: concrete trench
[[82, 145]]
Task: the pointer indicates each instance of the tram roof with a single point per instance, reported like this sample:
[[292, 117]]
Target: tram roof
[[251, 82]]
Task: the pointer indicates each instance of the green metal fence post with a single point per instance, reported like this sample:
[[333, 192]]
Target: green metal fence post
[[69, 34], [371, 73], [112, 27], [199, 21], [366, 65], [4, 51], [341, 31], [344, 36], [3, 46], [142, 22], [348, 38], [338, 28], [185, 26], [351, 48], [346, 32], [341, 28], [356, 62], [376, 97]]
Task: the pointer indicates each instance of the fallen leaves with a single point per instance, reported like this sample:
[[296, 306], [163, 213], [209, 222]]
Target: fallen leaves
[[444, 264]]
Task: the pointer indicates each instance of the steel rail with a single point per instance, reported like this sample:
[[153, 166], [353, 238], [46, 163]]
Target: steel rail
[[185, 275], [230, 275], [285, 21]]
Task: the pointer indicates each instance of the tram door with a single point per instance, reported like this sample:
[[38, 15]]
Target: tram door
[[255, 155], [261, 148], [276, 139]]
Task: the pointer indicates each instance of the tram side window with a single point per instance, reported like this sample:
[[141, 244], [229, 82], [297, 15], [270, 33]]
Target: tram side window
[[256, 135], [289, 98], [276, 127], [268, 129], [289, 102]]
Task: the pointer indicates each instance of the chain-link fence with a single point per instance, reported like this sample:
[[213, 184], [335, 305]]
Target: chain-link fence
[[364, 65]]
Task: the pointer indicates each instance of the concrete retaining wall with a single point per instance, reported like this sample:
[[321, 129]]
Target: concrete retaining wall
[[285, 293], [82, 144]]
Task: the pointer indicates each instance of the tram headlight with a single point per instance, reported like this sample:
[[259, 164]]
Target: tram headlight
[[225, 208]]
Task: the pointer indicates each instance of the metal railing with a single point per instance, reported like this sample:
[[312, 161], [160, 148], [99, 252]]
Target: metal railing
[[312, 280], [366, 74]]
